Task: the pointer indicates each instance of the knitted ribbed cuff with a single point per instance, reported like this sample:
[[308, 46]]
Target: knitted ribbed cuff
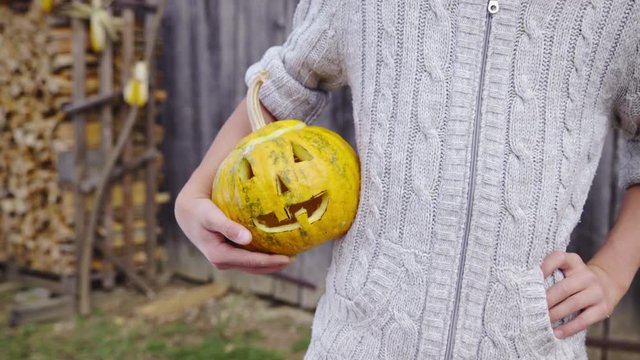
[[630, 167], [283, 95], [535, 313]]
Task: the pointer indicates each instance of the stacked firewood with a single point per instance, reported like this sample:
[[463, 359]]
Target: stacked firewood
[[34, 83], [37, 141]]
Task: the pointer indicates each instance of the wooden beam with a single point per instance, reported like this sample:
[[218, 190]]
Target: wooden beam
[[106, 143], [129, 271], [9, 286], [79, 74], [610, 344], [113, 98], [83, 105], [136, 163], [135, 5], [151, 171], [47, 309], [128, 39], [293, 280]]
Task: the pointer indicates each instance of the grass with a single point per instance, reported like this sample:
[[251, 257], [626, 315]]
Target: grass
[[226, 331], [99, 337], [302, 343]]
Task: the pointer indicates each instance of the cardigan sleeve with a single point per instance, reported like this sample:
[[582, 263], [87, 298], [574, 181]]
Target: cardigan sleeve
[[628, 119], [628, 114], [303, 70]]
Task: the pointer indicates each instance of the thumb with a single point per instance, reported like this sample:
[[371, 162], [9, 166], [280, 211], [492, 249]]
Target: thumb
[[213, 219]]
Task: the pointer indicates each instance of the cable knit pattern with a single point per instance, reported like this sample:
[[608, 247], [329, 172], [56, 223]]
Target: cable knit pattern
[[628, 111], [479, 136]]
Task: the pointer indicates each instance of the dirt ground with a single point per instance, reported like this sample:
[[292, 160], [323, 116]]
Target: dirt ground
[[176, 325], [235, 326]]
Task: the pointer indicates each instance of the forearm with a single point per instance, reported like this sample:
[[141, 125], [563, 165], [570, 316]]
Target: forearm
[[619, 257], [233, 130]]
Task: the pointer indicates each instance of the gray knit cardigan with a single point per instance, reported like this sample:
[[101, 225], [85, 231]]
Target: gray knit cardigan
[[479, 126]]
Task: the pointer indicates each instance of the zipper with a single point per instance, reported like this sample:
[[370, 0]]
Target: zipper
[[493, 6]]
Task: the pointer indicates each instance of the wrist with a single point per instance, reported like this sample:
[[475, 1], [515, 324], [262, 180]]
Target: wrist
[[199, 183], [615, 287]]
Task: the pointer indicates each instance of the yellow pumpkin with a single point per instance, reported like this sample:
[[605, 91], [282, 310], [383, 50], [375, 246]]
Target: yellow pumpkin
[[294, 186]]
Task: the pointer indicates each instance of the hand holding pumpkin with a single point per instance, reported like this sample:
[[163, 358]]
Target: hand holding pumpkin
[[294, 186], [207, 228], [203, 222]]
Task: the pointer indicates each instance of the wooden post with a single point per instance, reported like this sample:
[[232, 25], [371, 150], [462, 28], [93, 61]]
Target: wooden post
[[79, 74], [106, 143], [151, 171], [127, 185]]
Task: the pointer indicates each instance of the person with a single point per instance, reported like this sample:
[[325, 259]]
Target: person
[[479, 126]]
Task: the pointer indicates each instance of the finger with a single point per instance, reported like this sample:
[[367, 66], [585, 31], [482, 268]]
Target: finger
[[567, 287], [567, 262], [227, 256], [587, 318], [573, 262], [213, 219], [575, 303], [552, 262]]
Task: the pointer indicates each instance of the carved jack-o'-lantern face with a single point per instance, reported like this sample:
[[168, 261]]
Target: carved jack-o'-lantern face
[[291, 216], [293, 186]]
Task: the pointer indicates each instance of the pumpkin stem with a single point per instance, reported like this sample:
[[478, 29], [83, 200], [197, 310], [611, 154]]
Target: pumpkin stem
[[253, 101]]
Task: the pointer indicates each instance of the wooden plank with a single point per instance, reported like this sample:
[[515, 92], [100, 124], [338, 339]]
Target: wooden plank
[[106, 118], [79, 75], [127, 63], [9, 286], [37, 280], [151, 171], [309, 298], [245, 282], [46, 309], [243, 40], [183, 150], [203, 66], [286, 291], [227, 73], [261, 284], [175, 305]]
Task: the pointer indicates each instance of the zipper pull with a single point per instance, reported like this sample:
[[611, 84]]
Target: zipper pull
[[493, 7]]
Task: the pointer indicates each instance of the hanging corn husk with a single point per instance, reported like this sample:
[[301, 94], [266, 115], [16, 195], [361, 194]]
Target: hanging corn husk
[[136, 92], [46, 5], [101, 22]]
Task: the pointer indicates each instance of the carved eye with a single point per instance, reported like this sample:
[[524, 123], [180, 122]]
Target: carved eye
[[245, 171], [282, 188], [300, 153]]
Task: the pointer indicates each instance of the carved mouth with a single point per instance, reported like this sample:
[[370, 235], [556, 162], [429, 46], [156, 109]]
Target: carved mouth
[[298, 215]]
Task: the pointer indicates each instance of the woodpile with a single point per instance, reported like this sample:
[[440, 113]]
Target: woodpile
[[35, 232], [36, 148]]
